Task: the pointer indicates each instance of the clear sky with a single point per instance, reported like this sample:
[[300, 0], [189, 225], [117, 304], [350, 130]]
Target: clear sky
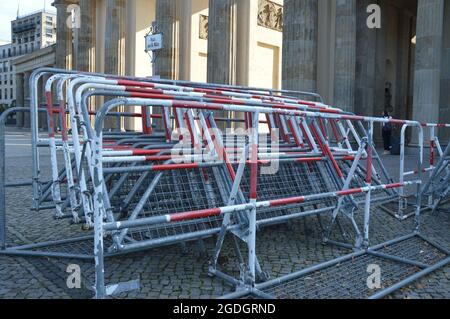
[[8, 12]]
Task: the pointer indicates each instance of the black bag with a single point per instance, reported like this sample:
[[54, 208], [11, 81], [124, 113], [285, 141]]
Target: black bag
[[395, 145], [387, 127]]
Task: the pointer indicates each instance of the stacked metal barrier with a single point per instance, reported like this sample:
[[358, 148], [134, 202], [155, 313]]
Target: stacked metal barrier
[[140, 190], [406, 205], [437, 188]]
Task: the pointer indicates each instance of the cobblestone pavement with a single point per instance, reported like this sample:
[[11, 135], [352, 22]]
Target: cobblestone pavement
[[176, 271]]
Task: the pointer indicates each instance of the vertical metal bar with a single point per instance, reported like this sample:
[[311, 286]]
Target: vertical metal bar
[[2, 181], [369, 173], [3, 118], [253, 195], [402, 202], [100, 290], [34, 100], [419, 176]]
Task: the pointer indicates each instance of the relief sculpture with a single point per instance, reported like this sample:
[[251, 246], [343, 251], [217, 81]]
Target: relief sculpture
[[270, 15], [203, 33]]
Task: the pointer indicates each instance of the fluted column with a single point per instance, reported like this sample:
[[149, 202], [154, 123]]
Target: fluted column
[[64, 35], [365, 62], [222, 35], [445, 76], [115, 46], [26, 96], [427, 75], [87, 36], [345, 55], [115, 37], [300, 45], [166, 65], [20, 99]]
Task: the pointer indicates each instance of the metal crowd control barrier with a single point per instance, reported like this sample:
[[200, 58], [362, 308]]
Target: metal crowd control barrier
[[406, 205], [437, 188], [140, 190]]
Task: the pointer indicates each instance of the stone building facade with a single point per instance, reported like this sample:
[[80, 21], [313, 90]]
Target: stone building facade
[[303, 45]]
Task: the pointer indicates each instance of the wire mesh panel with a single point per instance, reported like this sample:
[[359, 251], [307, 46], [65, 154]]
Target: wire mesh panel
[[345, 280], [176, 191], [290, 180], [350, 278]]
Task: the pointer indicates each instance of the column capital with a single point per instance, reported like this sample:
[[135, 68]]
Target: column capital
[[57, 3]]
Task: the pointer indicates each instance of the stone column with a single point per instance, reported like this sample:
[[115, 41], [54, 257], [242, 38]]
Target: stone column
[[166, 65], [20, 100], [222, 39], [445, 76], [380, 68], [345, 55], [115, 62], [115, 37], [427, 74], [87, 36], [26, 95], [64, 35], [43, 124], [222, 35], [300, 45], [403, 65], [365, 61]]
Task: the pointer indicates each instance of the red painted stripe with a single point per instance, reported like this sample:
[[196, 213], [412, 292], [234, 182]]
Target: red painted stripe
[[62, 105], [294, 133], [330, 111], [254, 172], [322, 128], [222, 153], [335, 131], [145, 152], [51, 121], [369, 165], [397, 121], [326, 150], [431, 152], [169, 167], [188, 124], [195, 214], [310, 159], [353, 117], [307, 103], [287, 201], [350, 192], [397, 185], [268, 122], [151, 96]]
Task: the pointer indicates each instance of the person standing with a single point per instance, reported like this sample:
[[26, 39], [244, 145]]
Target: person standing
[[387, 134]]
